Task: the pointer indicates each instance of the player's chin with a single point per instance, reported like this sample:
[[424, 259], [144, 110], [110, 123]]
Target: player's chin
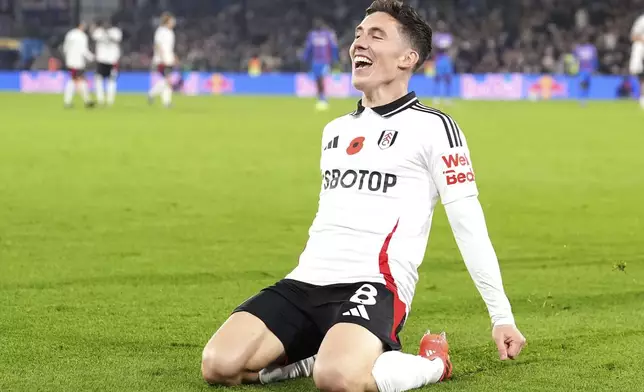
[[361, 81]]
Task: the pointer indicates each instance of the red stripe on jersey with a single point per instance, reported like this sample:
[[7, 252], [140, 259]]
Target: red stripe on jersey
[[399, 306]]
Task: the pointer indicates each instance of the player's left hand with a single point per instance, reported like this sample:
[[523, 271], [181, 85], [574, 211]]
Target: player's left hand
[[509, 341]]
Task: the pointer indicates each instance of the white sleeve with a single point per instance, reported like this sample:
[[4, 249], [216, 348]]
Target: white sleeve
[[452, 173], [86, 52], [638, 28], [470, 231], [157, 37], [450, 164], [66, 43], [116, 35], [160, 41]]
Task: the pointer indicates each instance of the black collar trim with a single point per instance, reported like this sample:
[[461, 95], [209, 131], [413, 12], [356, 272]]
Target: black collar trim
[[391, 108]]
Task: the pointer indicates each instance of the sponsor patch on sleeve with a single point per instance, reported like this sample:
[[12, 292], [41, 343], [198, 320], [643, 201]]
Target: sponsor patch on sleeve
[[457, 168]]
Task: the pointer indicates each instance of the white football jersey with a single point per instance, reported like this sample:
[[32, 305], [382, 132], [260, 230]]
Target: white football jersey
[[76, 49], [636, 65], [108, 45], [383, 169], [164, 46]]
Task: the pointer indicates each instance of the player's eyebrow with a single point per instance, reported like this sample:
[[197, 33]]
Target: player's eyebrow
[[372, 30]]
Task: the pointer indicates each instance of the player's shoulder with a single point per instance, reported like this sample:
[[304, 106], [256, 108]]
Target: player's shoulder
[[78, 34], [347, 121], [639, 20], [340, 122], [162, 33], [433, 125], [115, 32]]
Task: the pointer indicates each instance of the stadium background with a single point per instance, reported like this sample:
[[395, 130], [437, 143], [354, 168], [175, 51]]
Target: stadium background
[[127, 234], [223, 42]]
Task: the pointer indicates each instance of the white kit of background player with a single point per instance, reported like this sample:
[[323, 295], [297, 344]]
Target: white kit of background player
[[636, 66], [77, 55], [164, 59], [108, 52]]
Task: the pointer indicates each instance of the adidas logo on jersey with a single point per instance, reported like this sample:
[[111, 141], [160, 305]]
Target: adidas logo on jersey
[[358, 311], [332, 144]]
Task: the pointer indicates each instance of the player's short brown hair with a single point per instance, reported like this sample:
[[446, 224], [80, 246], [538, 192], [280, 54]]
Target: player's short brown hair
[[413, 26], [166, 17]]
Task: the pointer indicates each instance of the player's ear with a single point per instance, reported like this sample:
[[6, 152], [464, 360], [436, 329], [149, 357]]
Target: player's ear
[[409, 59]]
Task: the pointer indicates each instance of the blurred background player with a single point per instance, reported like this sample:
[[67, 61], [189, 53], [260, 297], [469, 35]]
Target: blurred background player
[[586, 55], [636, 66], [321, 52], [444, 68], [164, 59], [108, 51], [77, 54]]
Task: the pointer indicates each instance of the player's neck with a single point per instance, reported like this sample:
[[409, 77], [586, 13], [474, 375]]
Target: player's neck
[[384, 94]]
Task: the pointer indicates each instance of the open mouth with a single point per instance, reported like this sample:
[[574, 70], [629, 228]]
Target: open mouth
[[362, 62]]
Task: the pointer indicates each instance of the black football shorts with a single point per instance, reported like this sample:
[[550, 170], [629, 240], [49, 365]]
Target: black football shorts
[[300, 314]]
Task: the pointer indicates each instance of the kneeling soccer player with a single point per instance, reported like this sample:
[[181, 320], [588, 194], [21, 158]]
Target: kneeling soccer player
[[337, 316]]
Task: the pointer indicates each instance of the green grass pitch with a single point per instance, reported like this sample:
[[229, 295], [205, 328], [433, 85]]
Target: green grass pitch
[[128, 234]]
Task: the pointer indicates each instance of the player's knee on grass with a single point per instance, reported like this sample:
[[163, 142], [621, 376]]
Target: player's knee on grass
[[346, 358], [242, 345], [219, 367]]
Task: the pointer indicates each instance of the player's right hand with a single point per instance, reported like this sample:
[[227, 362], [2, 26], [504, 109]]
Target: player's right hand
[[509, 341]]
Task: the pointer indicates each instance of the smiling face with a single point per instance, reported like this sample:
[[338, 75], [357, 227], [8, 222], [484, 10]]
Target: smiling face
[[380, 52]]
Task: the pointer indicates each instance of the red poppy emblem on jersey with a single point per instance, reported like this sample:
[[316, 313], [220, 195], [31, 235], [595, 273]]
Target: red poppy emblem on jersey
[[355, 146]]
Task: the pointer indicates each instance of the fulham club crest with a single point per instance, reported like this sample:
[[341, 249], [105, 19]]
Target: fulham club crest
[[387, 139]]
